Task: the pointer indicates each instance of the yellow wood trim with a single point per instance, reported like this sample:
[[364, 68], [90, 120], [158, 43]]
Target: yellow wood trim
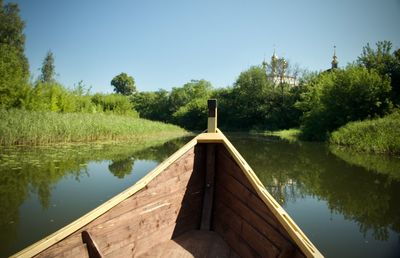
[[212, 124], [210, 138], [64, 232], [287, 222]]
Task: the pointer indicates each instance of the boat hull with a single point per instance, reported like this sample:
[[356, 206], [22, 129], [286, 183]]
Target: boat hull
[[204, 195]]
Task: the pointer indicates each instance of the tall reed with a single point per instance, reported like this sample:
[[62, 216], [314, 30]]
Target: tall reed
[[21, 127]]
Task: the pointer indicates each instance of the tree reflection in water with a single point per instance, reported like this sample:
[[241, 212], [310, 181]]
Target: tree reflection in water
[[368, 195]]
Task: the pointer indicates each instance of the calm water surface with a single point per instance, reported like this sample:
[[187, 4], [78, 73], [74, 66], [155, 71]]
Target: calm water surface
[[348, 204]]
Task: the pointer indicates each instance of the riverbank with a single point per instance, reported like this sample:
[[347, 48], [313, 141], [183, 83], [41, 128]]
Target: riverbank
[[381, 135], [290, 135], [21, 127]]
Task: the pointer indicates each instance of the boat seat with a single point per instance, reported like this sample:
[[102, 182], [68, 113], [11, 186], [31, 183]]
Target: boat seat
[[194, 243]]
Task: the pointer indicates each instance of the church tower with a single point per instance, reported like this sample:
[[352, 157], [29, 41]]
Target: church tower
[[334, 60], [274, 64]]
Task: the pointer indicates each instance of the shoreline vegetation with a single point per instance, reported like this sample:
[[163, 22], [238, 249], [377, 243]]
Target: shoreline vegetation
[[324, 104], [380, 135], [290, 135], [22, 127], [373, 136]]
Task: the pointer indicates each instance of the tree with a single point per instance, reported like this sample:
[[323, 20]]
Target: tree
[[48, 68], [124, 84], [153, 105], [188, 104], [385, 62], [331, 100], [195, 89], [14, 68], [251, 98]]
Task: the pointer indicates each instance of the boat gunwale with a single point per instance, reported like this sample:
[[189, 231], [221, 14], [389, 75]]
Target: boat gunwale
[[302, 241]]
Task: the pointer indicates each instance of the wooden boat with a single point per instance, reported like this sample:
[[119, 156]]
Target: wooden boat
[[203, 201]]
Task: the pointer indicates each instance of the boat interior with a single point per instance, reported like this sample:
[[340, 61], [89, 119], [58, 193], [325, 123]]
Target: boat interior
[[201, 205]]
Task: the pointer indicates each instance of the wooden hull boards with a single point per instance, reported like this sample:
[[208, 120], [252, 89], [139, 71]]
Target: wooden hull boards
[[203, 201]]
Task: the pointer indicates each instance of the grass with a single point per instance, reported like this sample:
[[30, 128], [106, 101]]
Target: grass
[[290, 135], [380, 135], [21, 127]]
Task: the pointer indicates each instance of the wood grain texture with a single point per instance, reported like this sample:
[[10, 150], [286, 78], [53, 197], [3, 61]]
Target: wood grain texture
[[241, 215], [91, 245], [195, 243]]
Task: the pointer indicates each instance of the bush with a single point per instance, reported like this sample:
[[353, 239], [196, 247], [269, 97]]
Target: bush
[[113, 103], [380, 135], [50, 97]]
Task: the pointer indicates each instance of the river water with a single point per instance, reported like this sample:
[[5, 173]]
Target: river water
[[348, 204]]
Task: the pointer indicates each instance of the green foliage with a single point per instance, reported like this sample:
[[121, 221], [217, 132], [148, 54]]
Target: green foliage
[[380, 135], [153, 105], [22, 127], [193, 115], [185, 106], [124, 84], [48, 68], [50, 97], [330, 100], [251, 97], [14, 68], [13, 78], [113, 103], [195, 89], [188, 104], [11, 27], [255, 102], [54, 97], [385, 62]]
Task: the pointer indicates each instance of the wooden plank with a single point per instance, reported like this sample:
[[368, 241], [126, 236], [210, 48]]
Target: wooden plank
[[78, 251], [258, 241], [227, 164], [141, 225], [234, 240], [137, 247], [227, 216], [92, 248], [69, 243], [246, 214], [179, 183], [212, 116], [208, 188], [195, 243], [210, 138], [251, 200]]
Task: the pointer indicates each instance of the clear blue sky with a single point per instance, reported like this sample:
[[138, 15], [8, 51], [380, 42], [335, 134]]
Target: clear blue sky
[[164, 44]]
